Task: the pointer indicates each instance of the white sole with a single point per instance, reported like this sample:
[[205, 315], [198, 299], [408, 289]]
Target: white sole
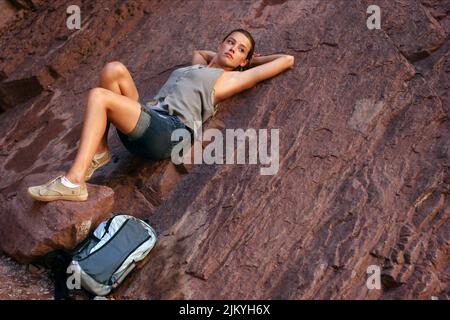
[[54, 198]]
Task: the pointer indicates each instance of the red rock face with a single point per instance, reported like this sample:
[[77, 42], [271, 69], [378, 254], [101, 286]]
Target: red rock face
[[364, 144], [7, 11], [30, 229]]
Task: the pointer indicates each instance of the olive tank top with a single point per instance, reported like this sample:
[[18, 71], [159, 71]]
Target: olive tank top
[[189, 94]]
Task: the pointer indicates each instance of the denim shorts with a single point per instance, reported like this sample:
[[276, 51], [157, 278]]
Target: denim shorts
[[151, 138]]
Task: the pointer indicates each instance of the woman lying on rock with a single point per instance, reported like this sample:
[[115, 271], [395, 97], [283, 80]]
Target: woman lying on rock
[[188, 98]]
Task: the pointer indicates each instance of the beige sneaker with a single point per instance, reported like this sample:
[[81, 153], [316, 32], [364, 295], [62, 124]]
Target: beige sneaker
[[97, 163], [55, 190]]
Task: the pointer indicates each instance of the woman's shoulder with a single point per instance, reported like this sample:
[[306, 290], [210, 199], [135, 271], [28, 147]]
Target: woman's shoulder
[[224, 85]]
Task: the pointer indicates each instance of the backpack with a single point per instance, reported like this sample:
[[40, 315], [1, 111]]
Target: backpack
[[103, 260], [111, 253]]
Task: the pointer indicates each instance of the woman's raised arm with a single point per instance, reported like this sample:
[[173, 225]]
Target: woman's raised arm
[[259, 60], [202, 56], [268, 67]]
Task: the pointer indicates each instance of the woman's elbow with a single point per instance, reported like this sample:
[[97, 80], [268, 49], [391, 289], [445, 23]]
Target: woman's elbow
[[291, 61]]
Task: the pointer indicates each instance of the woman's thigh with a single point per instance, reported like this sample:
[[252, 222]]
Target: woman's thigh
[[122, 111], [116, 77]]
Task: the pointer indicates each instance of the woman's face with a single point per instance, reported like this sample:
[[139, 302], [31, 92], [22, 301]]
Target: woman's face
[[234, 50]]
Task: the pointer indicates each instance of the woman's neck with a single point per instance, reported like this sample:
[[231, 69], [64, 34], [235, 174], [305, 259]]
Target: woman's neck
[[214, 64]]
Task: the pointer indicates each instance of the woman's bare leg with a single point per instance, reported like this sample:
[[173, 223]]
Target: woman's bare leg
[[104, 106], [116, 78]]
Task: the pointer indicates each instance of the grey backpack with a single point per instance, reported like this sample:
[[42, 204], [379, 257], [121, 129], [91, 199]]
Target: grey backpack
[[105, 259]]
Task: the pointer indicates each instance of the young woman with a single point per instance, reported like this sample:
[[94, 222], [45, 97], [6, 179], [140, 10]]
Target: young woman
[[189, 97]]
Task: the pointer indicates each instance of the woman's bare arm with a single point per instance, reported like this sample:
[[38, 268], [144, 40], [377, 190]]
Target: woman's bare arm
[[237, 81], [259, 60], [269, 66], [202, 56]]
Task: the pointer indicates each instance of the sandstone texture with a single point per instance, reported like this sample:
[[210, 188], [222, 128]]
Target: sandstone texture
[[29, 229]]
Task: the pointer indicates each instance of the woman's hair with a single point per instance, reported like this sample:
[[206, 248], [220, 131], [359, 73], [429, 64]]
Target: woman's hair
[[252, 49]]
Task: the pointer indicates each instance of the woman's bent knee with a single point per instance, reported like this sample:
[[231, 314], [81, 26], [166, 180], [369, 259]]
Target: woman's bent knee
[[97, 94], [114, 70]]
